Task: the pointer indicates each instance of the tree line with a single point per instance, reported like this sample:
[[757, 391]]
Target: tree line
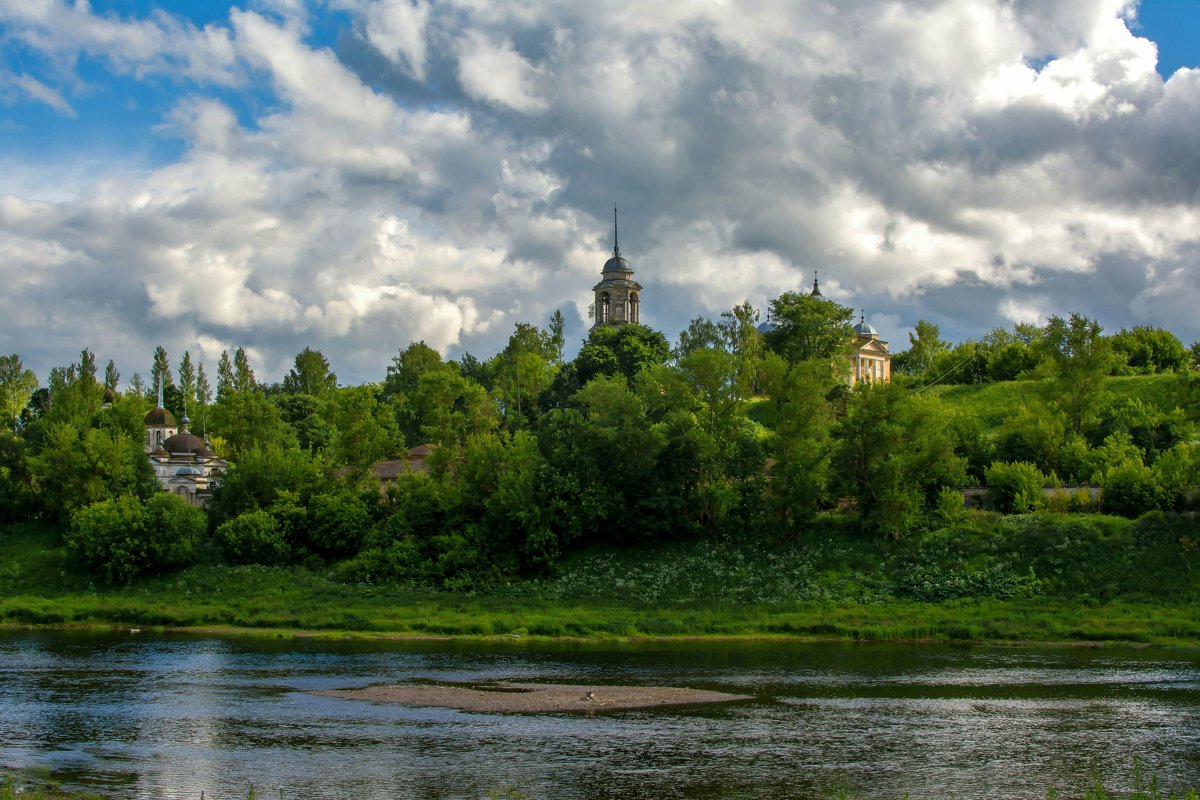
[[724, 433]]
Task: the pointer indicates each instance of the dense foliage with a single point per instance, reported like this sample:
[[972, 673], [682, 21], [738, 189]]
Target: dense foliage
[[530, 457]]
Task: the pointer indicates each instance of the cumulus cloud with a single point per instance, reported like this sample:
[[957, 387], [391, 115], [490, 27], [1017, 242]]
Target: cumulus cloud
[[407, 170]]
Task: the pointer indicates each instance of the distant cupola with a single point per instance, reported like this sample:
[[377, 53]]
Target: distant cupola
[[816, 290], [618, 295]]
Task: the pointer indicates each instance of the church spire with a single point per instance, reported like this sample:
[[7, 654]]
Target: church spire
[[816, 292], [616, 241]]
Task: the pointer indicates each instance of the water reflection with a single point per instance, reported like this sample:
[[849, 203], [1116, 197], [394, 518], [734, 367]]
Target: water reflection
[[144, 717]]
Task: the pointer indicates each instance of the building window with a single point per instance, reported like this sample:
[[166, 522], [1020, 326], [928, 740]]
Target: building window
[[633, 307], [605, 308]]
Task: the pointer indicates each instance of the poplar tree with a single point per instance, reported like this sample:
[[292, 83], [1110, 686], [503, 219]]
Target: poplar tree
[[187, 378], [111, 377], [224, 376], [243, 375]]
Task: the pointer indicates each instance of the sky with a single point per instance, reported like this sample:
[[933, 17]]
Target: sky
[[354, 175]]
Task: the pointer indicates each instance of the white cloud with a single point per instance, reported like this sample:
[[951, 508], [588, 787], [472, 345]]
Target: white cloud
[[444, 170], [498, 74], [39, 91]]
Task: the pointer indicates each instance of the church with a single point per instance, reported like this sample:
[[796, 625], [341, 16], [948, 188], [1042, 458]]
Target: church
[[184, 464], [617, 293], [870, 358]]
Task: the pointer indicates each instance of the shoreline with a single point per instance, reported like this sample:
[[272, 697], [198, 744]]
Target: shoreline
[[308, 634]]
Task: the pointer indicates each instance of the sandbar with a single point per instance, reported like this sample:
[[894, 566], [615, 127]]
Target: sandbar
[[533, 698]]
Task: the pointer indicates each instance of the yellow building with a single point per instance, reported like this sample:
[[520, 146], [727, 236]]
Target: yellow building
[[871, 359]]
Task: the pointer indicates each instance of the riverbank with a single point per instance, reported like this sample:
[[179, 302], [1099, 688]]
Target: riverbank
[[832, 586], [455, 616]]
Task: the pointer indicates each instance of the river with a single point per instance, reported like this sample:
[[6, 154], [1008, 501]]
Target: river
[[149, 716]]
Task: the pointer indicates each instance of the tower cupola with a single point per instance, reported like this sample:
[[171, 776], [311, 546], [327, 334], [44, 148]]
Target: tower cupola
[[618, 295]]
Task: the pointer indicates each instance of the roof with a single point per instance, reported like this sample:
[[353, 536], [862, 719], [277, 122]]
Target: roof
[[863, 328], [617, 283], [185, 443], [617, 264], [159, 418], [412, 463]]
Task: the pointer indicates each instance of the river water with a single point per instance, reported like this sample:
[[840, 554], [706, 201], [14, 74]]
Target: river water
[[146, 716]]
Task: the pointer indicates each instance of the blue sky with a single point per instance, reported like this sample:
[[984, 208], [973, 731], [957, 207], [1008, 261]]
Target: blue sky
[[352, 175], [1174, 25]]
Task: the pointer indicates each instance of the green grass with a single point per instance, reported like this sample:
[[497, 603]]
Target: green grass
[[832, 584], [992, 403]]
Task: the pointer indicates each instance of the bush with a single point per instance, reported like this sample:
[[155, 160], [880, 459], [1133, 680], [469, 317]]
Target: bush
[[122, 538], [337, 524], [1015, 488], [253, 538], [1130, 489]]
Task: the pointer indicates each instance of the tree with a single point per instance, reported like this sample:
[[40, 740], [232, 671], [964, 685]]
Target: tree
[[803, 445], [253, 538], [245, 420], [365, 430], [1078, 359], [700, 332], [1145, 351], [243, 375], [522, 371], [112, 378], [224, 376], [923, 347], [124, 537], [1131, 489], [624, 349], [76, 467], [17, 385], [810, 328], [137, 386], [187, 380], [894, 454], [407, 367], [740, 333], [446, 408], [260, 476], [86, 369], [310, 374], [160, 372], [1015, 488], [557, 336]]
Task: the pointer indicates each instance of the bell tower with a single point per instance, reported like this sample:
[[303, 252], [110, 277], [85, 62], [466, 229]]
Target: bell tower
[[618, 295]]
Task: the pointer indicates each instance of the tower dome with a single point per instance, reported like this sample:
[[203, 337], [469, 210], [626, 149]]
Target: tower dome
[[618, 295], [159, 418]]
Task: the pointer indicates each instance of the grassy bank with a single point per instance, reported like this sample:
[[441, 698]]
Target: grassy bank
[[829, 586]]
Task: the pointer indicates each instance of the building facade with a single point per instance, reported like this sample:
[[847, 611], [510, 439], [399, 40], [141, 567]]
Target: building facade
[[184, 463]]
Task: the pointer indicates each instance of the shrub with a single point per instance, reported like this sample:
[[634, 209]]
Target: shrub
[[253, 538], [337, 523], [1015, 488], [1130, 489], [122, 538]]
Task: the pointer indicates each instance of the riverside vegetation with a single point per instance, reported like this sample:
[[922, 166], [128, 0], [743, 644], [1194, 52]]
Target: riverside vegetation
[[731, 484]]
